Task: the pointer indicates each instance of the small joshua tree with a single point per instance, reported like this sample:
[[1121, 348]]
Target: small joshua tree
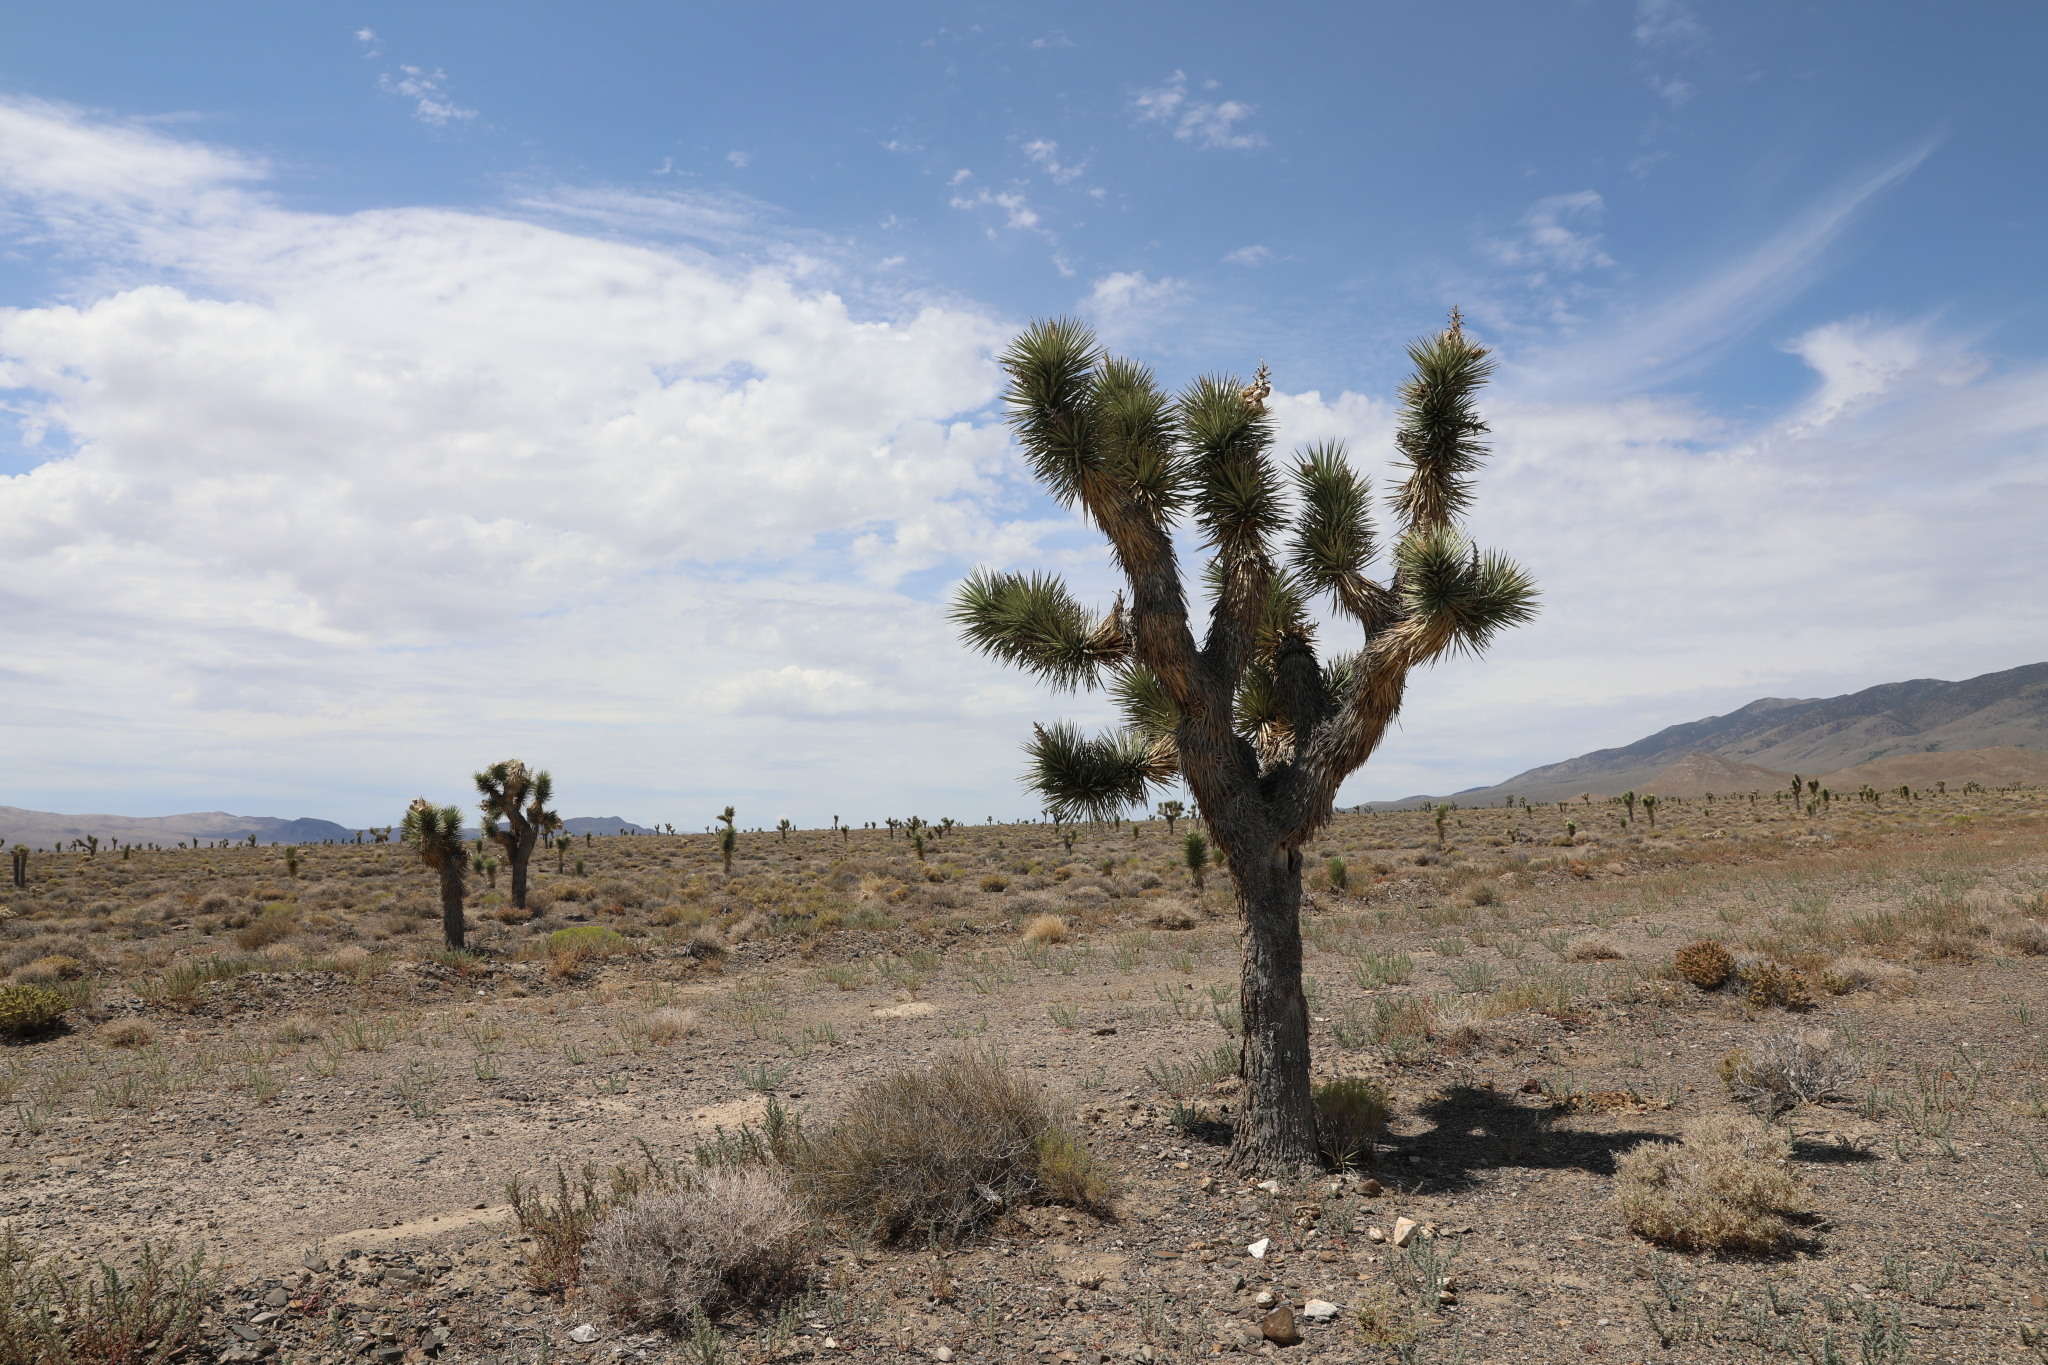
[[519, 798], [1260, 729], [20, 852], [1194, 850], [436, 831], [783, 827], [1171, 812], [728, 839], [1650, 809], [1441, 810]]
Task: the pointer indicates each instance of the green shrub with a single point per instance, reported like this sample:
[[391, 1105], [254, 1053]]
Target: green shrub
[[931, 1155], [1706, 964], [53, 1315], [30, 1009], [1350, 1112]]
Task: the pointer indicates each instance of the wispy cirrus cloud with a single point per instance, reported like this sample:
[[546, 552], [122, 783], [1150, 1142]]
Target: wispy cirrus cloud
[[432, 104], [1045, 154]]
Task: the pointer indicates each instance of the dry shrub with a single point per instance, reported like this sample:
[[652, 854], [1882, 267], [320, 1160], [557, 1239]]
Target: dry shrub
[[995, 881], [1728, 1187], [1954, 947], [1766, 983], [751, 925], [1350, 1112], [282, 952], [263, 932], [1854, 973], [1045, 929], [731, 1239], [57, 967], [1787, 1068], [512, 914], [128, 1033], [1485, 893], [1592, 948], [930, 1155], [1706, 964], [705, 943], [666, 1025], [1172, 917], [2026, 936], [351, 958]]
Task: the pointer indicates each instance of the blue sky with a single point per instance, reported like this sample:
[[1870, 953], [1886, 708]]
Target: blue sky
[[390, 386]]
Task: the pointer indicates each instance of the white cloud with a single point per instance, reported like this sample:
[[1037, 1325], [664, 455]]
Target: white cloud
[[376, 496], [1045, 154], [1667, 24], [434, 106], [1017, 211], [1548, 238], [1124, 304], [1249, 255], [365, 35], [1197, 121], [1674, 90], [1861, 359], [739, 159], [1054, 39]]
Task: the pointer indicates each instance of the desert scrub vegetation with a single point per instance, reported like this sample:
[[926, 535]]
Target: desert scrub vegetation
[[30, 1009], [725, 1239], [55, 1314], [1704, 963], [1787, 1069], [936, 1153], [1727, 1186]]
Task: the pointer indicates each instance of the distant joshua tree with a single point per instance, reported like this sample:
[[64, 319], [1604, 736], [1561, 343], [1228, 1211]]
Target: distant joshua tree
[[436, 831], [1171, 812], [783, 827], [520, 799], [728, 839], [1260, 729]]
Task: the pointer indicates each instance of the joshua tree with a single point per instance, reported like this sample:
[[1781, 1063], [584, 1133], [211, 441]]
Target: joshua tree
[[1171, 812], [783, 827], [1628, 799], [1442, 809], [436, 831], [291, 862], [20, 852], [1650, 809], [1260, 730], [1194, 850], [519, 798]]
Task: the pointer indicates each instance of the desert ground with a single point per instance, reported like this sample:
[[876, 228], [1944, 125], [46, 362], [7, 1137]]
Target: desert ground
[[288, 1071]]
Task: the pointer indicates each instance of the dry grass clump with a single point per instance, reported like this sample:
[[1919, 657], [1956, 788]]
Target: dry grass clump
[[730, 1239], [1592, 948], [1046, 929], [128, 1033], [1728, 1187], [1766, 983], [995, 881], [44, 970], [2025, 936], [666, 1025], [1855, 973], [351, 958], [1788, 1068], [705, 943], [932, 1154], [1706, 964], [1350, 1112]]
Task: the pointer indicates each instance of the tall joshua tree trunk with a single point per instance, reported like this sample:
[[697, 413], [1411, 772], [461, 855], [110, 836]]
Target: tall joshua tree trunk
[[436, 831], [520, 799], [1262, 732]]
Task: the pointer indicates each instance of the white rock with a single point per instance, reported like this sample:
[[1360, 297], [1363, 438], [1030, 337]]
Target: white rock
[[1257, 1250], [1265, 1299], [583, 1334], [1319, 1310], [943, 1353], [1377, 1234], [1270, 1186], [1404, 1231]]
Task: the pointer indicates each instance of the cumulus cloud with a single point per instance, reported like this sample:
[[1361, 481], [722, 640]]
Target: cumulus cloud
[[1045, 154], [1248, 255], [1127, 302], [1201, 122], [407, 485]]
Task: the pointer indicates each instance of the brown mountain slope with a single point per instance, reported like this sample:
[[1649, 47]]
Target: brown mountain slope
[[1699, 773], [2006, 765]]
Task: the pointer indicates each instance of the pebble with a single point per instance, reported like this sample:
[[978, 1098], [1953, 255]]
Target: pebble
[[1257, 1250], [277, 1298], [1404, 1231], [1376, 1234], [1265, 1299], [1319, 1310], [943, 1353], [583, 1334], [1270, 1186]]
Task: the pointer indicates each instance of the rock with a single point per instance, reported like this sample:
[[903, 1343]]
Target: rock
[[1270, 1186], [943, 1353], [277, 1298], [1265, 1299], [583, 1334], [1257, 1250], [1404, 1231], [1278, 1327], [1447, 1297], [1319, 1310], [1376, 1234], [1372, 1189], [1208, 1184]]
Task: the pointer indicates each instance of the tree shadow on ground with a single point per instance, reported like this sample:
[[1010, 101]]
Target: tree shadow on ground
[[1476, 1129]]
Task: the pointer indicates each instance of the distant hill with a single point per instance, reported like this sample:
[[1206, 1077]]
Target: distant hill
[[41, 829], [44, 829], [1699, 773], [1807, 735], [2005, 766]]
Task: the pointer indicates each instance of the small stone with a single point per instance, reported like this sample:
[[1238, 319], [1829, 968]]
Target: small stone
[[1257, 1250], [277, 1298], [2037, 1301], [1270, 1186], [1376, 1234], [1319, 1310], [1404, 1231], [1265, 1299], [1446, 1297], [831, 1344], [1278, 1327], [1372, 1189], [943, 1353], [583, 1334], [1208, 1184]]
